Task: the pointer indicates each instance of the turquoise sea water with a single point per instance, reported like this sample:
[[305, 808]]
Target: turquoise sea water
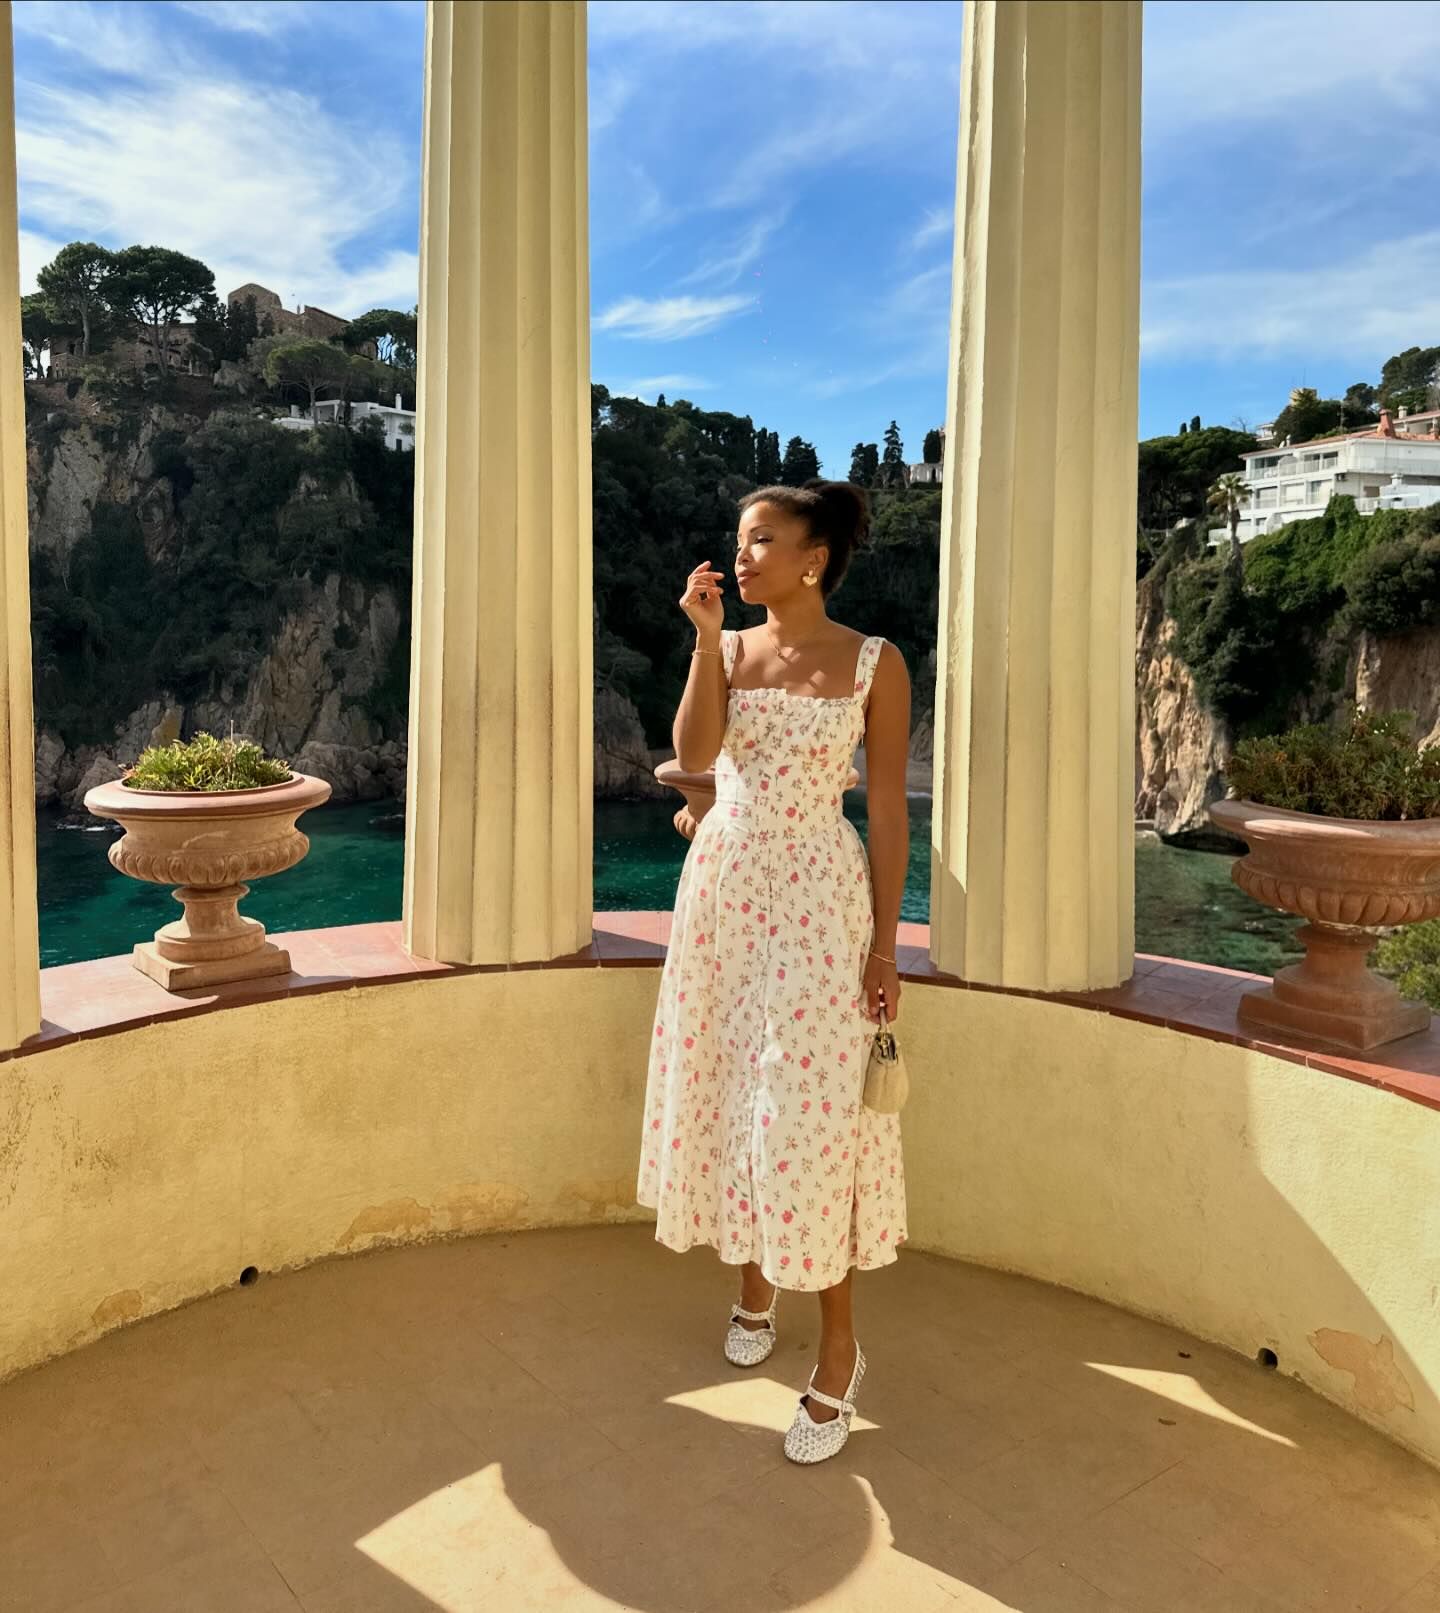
[[1185, 903]]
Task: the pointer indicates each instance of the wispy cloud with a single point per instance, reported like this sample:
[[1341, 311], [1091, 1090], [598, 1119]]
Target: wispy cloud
[[670, 383], [1334, 63], [1377, 301], [267, 18], [669, 319], [936, 225], [729, 261], [272, 187]]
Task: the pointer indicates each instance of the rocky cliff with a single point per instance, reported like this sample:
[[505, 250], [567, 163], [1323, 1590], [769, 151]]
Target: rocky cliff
[[308, 698], [1181, 749]]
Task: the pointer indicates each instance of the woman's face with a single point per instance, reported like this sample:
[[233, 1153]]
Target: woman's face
[[771, 557]]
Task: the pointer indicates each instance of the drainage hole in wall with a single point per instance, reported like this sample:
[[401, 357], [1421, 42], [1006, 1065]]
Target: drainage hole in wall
[[248, 1276], [1267, 1358], [1184, 1355]]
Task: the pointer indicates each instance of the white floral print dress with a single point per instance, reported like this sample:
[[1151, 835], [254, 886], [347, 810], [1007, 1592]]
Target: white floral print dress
[[755, 1140]]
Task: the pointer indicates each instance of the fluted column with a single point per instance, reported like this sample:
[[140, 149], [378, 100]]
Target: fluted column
[[1032, 853], [19, 936], [499, 806]]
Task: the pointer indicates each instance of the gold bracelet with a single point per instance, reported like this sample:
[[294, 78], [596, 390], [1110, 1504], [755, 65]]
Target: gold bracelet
[[705, 652], [881, 956]]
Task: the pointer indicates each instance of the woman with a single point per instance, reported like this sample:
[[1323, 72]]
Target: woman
[[782, 950]]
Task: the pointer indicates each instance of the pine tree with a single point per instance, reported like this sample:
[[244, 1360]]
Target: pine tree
[[934, 447], [767, 458], [800, 464], [892, 461], [864, 463]]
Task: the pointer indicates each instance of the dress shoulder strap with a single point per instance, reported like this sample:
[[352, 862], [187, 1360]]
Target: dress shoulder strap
[[865, 671], [728, 639]]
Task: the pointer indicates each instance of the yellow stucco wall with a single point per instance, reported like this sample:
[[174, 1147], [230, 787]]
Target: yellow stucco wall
[[1253, 1202]]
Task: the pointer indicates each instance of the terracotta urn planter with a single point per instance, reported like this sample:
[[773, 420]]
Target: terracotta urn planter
[[699, 788], [1347, 877], [207, 843]]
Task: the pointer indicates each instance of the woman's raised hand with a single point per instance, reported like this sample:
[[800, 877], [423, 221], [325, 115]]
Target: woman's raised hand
[[701, 600]]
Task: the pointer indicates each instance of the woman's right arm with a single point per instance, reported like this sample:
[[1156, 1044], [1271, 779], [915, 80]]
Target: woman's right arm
[[700, 720]]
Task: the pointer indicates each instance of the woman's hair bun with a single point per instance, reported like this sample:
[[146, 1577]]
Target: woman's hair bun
[[847, 509]]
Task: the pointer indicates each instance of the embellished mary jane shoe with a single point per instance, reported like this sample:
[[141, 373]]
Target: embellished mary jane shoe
[[749, 1346], [809, 1441]]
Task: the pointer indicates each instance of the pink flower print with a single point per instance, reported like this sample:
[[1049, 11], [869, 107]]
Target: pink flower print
[[808, 1262], [830, 964], [783, 1166], [799, 1013], [696, 1218], [885, 1234], [774, 928], [787, 1216], [744, 1204], [805, 1065], [804, 921], [784, 1261], [805, 1106], [689, 1043], [789, 812], [675, 1142], [780, 972], [744, 907], [782, 771], [767, 1209], [824, 1209], [825, 1106], [655, 1124], [764, 1120], [794, 879], [729, 1192]]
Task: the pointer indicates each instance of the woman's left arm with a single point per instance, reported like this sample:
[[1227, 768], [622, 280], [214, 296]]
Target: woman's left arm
[[887, 755]]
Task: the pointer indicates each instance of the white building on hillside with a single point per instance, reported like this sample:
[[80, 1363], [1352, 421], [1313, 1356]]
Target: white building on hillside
[[1383, 467], [398, 422]]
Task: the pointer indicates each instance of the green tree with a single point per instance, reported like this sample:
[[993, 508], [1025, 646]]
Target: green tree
[[768, 464], [1359, 403], [801, 462], [1407, 378], [1227, 499], [1194, 422], [1307, 416], [934, 447], [1175, 473], [41, 328], [151, 287], [892, 461], [864, 463], [74, 282], [394, 336], [304, 362]]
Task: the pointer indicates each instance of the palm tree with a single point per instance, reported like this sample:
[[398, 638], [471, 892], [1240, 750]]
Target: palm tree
[[1227, 498]]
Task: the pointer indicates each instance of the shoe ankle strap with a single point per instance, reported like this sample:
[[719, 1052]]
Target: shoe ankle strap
[[812, 1393], [755, 1316]]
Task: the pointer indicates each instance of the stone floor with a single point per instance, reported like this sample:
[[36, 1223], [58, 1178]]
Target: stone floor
[[546, 1420]]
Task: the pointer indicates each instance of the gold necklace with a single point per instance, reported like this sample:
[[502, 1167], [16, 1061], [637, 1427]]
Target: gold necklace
[[779, 648]]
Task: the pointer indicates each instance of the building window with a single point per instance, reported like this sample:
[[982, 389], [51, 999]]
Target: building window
[[1315, 493]]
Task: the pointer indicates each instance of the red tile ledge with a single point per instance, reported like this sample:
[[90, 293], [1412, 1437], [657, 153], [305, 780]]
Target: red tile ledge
[[110, 995]]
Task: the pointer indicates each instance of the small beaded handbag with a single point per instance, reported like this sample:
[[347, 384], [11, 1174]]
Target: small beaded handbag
[[887, 1083]]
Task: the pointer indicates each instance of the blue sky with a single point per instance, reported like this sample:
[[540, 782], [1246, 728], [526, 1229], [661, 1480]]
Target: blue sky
[[772, 186]]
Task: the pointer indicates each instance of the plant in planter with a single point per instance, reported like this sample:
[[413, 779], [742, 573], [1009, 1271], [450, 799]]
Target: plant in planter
[[205, 815], [1343, 830]]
